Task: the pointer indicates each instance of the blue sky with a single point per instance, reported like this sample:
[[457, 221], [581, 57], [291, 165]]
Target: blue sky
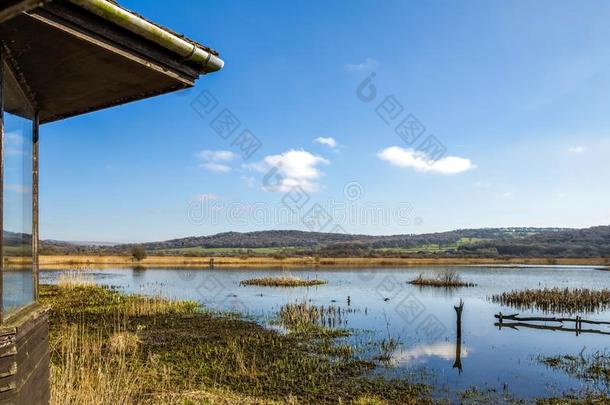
[[518, 94]]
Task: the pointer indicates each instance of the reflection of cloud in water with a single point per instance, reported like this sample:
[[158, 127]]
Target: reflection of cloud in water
[[442, 350]]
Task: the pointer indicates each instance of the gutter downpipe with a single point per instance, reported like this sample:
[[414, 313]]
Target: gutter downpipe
[[137, 25]]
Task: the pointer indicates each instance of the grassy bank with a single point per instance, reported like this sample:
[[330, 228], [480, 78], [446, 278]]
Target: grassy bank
[[59, 262], [108, 348]]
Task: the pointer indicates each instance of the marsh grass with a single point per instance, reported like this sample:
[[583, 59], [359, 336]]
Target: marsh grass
[[282, 282], [83, 372], [556, 299], [447, 279], [149, 306], [593, 366], [106, 352], [303, 317], [74, 279]]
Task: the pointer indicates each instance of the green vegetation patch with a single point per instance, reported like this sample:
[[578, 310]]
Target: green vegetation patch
[[447, 279], [282, 282]]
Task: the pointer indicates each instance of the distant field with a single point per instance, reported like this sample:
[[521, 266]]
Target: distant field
[[433, 247], [202, 251]]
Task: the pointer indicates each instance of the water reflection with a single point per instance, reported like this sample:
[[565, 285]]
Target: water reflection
[[442, 350]]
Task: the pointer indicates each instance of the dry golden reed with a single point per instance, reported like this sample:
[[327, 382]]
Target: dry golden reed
[[556, 299]]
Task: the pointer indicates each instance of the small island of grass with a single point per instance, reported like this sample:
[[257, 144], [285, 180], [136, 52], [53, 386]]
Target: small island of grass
[[448, 279], [587, 367], [282, 282], [556, 299]]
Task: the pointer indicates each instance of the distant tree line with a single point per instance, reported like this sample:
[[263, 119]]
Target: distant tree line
[[475, 243]]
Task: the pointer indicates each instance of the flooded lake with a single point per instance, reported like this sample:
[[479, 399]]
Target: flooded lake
[[378, 305]]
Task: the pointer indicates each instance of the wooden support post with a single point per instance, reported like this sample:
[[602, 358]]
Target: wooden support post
[[35, 232]]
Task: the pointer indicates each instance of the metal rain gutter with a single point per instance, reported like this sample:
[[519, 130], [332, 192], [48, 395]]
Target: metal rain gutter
[[189, 51]]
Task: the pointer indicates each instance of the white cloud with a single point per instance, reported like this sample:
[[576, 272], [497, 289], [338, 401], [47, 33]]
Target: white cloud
[[330, 141], [294, 167], [216, 167], [216, 155], [401, 157], [368, 65], [216, 160], [577, 149]]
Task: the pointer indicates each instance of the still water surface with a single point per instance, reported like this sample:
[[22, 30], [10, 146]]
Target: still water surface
[[382, 305]]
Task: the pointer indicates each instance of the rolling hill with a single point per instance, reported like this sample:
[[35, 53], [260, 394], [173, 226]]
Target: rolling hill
[[485, 242]]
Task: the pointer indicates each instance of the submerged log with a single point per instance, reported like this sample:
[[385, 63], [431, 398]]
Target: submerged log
[[517, 325], [516, 317]]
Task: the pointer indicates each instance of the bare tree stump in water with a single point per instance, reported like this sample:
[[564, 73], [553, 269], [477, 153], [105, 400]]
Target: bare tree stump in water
[[458, 337]]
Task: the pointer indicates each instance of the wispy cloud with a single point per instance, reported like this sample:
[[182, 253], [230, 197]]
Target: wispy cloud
[[250, 181], [295, 168], [216, 160], [481, 184], [18, 188], [368, 65], [207, 197], [418, 161], [329, 141], [577, 149], [13, 144]]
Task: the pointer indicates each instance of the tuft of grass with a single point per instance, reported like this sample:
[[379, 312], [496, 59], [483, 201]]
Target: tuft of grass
[[447, 279], [123, 342], [282, 282], [369, 400], [302, 317], [556, 299]]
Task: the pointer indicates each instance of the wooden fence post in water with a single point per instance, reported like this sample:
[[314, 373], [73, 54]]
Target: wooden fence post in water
[[458, 337]]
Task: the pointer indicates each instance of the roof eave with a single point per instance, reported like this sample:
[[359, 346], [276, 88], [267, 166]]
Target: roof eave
[[205, 58]]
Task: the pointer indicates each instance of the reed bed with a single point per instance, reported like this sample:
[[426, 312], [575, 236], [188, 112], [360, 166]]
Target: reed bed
[[75, 279], [282, 282], [304, 317], [558, 300], [447, 279], [84, 372], [149, 306]]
